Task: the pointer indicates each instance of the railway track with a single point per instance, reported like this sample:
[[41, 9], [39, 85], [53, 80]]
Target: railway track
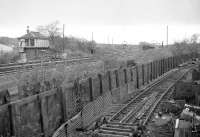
[[21, 67], [141, 107]]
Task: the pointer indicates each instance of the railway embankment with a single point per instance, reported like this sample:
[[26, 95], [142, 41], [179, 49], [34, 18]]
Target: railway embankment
[[122, 84], [76, 105]]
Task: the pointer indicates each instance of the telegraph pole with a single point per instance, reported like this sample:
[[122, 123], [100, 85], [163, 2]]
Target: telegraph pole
[[112, 41], [108, 40], [63, 38], [92, 37], [92, 45], [167, 36]]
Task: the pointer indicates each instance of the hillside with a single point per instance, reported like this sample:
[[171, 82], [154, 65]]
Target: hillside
[[8, 41], [5, 48]]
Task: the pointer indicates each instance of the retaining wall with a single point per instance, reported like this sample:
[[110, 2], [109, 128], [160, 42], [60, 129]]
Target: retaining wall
[[42, 114]]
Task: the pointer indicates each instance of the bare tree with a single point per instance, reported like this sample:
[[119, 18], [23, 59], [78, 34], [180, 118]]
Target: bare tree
[[194, 45], [186, 46], [194, 38], [51, 30], [59, 44], [179, 48]]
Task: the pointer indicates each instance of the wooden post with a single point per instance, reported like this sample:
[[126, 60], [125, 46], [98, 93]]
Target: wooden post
[[143, 82], [125, 76], [156, 69], [12, 132], [137, 78], [167, 63], [117, 78], [153, 69], [174, 61], [148, 73], [41, 116], [63, 105], [165, 67], [109, 80], [131, 73], [91, 91], [100, 83], [162, 66], [151, 72]]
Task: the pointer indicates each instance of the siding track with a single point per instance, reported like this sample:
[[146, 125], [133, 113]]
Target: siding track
[[142, 106]]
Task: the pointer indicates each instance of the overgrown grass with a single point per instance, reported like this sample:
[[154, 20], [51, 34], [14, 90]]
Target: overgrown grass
[[73, 45], [186, 46], [106, 58], [120, 54], [9, 57], [180, 48], [37, 80]]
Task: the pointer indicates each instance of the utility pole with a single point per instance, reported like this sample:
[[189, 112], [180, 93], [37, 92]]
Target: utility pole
[[63, 38], [92, 45], [92, 37], [108, 40], [167, 36], [112, 41]]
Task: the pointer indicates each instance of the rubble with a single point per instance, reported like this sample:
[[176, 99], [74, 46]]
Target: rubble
[[181, 115]]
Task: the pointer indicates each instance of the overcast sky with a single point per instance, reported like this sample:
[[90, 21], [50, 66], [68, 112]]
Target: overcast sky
[[120, 20]]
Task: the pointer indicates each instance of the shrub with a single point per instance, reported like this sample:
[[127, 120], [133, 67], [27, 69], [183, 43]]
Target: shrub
[[187, 46], [9, 57]]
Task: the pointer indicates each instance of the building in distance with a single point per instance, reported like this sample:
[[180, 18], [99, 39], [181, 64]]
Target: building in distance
[[33, 46]]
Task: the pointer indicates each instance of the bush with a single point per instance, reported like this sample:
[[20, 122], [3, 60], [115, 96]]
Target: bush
[[57, 78], [29, 83], [10, 57], [74, 44], [4, 58], [187, 46], [36, 81]]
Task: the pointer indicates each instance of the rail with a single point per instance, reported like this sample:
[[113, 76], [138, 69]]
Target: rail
[[121, 122], [140, 94], [14, 68]]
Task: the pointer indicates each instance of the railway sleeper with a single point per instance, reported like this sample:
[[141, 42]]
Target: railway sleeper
[[134, 110], [122, 124], [114, 132], [118, 126], [110, 135], [142, 112], [116, 129]]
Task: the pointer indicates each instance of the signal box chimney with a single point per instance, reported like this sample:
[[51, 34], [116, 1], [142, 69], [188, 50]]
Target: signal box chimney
[[27, 30]]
